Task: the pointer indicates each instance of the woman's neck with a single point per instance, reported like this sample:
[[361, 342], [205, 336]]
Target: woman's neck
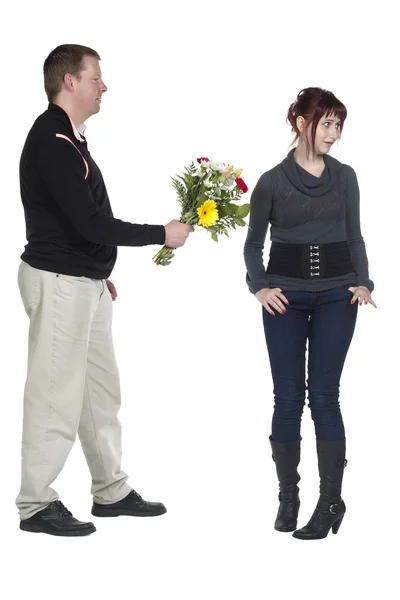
[[313, 163]]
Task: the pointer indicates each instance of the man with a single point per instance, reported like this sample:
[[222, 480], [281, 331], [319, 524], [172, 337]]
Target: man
[[72, 384]]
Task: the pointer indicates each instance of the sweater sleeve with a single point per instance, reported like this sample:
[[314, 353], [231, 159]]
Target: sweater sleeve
[[355, 240], [260, 211], [63, 171]]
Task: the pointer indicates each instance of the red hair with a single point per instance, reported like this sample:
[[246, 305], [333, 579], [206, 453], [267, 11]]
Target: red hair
[[312, 104]]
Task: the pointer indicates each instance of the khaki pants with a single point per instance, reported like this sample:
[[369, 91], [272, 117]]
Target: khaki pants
[[72, 387]]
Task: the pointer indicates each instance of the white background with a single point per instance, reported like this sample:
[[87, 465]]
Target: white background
[[189, 79]]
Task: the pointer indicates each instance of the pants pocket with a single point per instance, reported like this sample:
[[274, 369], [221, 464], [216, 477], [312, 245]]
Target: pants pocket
[[29, 285], [72, 277]]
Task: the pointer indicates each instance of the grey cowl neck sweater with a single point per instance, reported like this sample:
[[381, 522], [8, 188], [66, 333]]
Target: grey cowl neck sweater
[[309, 184], [301, 208]]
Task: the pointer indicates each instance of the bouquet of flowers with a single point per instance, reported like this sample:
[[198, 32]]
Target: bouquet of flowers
[[207, 193]]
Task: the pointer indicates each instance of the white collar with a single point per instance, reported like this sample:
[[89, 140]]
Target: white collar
[[78, 132]]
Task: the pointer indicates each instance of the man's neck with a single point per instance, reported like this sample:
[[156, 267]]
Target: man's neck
[[76, 118]]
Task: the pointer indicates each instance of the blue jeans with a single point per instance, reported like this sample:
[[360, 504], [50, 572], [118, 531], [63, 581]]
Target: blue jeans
[[327, 320]]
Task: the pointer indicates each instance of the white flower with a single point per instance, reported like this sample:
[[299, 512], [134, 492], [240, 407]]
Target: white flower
[[217, 165], [203, 170]]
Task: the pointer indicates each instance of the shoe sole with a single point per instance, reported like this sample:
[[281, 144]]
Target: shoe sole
[[104, 512], [32, 528], [298, 537], [288, 530]]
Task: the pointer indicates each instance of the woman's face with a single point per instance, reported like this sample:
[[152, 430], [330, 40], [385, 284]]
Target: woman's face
[[327, 133]]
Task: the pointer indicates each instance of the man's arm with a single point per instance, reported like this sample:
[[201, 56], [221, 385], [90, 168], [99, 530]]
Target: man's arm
[[63, 170]]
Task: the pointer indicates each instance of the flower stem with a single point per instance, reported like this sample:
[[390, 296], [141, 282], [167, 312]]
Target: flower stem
[[166, 254]]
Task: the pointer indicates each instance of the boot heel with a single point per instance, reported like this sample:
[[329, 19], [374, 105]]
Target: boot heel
[[337, 524]]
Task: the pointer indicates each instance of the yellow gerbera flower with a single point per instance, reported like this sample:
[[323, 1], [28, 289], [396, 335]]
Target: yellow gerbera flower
[[208, 213]]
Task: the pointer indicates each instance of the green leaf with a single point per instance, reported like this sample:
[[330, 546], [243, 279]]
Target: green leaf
[[243, 211], [231, 209], [222, 211], [201, 199], [240, 221]]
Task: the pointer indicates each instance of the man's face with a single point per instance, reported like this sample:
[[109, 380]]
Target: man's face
[[89, 88]]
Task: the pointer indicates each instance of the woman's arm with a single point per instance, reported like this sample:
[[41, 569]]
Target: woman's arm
[[353, 228], [260, 211]]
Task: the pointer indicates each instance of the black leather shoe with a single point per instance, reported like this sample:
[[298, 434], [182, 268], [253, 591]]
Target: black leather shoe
[[132, 505], [286, 456], [55, 519]]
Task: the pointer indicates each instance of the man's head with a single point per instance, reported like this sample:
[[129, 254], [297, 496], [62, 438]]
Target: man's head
[[72, 79]]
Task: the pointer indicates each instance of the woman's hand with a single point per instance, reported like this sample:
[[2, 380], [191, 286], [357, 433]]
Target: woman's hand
[[272, 298], [362, 294]]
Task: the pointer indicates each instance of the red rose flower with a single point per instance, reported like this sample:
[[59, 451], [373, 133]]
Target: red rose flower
[[202, 158], [241, 184]]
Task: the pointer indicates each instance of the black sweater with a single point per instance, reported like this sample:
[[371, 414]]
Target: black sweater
[[304, 209], [70, 226]]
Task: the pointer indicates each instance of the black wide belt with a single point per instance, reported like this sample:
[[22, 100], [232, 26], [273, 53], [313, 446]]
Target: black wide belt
[[310, 260]]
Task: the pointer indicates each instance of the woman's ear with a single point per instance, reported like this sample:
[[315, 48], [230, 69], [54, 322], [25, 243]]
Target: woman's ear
[[300, 122]]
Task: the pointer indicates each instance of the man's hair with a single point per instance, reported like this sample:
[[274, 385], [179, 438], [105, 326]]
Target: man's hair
[[68, 58]]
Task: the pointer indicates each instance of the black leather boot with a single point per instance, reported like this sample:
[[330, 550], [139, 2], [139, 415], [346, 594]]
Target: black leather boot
[[330, 508], [286, 456], [55, 519], [132, 505]]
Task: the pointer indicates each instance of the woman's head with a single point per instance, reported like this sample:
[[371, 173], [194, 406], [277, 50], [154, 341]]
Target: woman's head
[[317, 118]]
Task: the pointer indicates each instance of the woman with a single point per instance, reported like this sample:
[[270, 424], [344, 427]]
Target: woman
[[316, 278]]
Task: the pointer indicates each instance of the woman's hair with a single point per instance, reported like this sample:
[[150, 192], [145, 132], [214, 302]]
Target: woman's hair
[[312, 104], [68, 58]]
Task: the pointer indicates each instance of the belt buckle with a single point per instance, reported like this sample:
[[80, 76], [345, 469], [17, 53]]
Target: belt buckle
[[314, 269]]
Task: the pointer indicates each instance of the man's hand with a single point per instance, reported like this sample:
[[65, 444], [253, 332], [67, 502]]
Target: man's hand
[[111, 289], [176, 233]]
